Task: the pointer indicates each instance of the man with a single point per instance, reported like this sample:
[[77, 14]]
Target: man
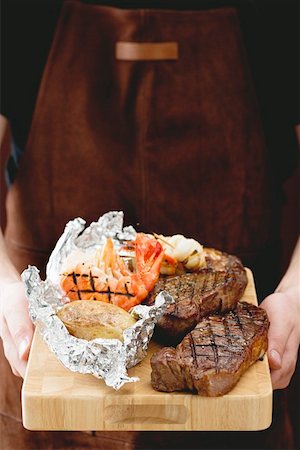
[[156, 137]]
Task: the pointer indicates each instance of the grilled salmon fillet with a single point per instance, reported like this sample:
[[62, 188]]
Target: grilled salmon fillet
[[212, 357]]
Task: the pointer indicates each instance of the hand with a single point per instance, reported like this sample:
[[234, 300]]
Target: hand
[[16, 328], [283, 309]]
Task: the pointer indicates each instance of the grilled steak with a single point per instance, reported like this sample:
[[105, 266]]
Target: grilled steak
[[217, 288], [213, 356], [217, 260]]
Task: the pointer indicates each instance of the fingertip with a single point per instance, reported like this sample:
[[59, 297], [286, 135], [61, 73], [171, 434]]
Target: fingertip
[[275, 360], [24, 348], [22, 368]]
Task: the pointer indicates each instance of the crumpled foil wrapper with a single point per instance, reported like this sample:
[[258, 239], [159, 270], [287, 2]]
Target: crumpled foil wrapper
[[108, 359]]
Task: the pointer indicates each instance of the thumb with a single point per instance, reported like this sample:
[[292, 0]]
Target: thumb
[[19, 323], [275, 359], [278, 335], [277, 339]]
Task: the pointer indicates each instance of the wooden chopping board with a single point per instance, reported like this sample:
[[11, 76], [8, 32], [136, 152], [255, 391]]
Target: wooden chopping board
[[54, 398]]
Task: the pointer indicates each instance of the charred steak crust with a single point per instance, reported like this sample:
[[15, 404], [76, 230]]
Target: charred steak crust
[[196, 295], [213, 356], [217, 260], [214, 289]]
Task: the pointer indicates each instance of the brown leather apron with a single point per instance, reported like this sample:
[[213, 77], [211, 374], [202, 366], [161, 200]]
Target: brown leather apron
[[151, 112]]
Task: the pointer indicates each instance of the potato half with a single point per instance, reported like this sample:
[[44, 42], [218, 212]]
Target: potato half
[[90, 319]]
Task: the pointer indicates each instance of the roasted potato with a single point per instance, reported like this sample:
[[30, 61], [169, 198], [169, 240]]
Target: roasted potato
[[89, 319]]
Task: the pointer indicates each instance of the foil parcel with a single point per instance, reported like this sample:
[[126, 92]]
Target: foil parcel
[[108, 359]]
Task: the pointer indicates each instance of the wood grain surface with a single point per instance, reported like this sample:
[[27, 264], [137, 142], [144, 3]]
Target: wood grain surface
[[54, 398]]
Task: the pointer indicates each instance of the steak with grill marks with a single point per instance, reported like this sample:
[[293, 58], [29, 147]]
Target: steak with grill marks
[[216, 288], [213, 356]]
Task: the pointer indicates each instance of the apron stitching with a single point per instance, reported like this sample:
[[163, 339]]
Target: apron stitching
[[149, 67], [141, 140], [142, 154], [146, 115]]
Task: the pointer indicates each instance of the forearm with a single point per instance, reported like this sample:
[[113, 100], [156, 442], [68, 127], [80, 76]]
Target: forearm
[[8, 272], [291, 279], [290, 282], [3, 127]]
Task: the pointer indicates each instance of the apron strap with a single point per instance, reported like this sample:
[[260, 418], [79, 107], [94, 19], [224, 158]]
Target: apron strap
[[145, 51]]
